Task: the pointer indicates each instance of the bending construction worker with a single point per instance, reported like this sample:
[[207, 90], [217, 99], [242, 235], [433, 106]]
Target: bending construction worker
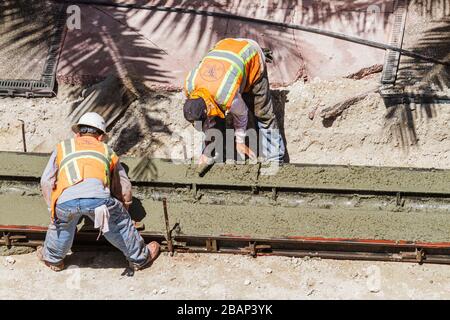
[[85, 178], [232, 78]]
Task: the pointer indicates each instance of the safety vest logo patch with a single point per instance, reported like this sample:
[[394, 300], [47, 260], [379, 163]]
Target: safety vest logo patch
[[212, 71]]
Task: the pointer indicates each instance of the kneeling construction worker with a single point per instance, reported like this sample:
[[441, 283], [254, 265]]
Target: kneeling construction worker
[[232, 78], [85, 178]]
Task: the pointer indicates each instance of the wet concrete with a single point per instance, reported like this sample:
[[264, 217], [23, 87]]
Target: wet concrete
[[267, 222], [291, 175], [21, 203], [215, 212], [22, 164], [242, 213], [361, 178], [347, 213]]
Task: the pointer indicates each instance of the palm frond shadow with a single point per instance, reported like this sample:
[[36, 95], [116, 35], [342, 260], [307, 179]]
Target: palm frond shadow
[[422, 76], [28, 28], [25, 27]]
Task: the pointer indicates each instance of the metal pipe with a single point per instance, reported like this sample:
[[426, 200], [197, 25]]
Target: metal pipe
[[24, 143], [168, 232]]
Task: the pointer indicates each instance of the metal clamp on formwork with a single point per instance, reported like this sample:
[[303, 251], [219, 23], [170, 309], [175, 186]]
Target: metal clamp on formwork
[[168, 231], [274, 194], [171, 243], [195, 192], [9, 240], [254, 248], [419, 255], [400, 201], [211, 245]]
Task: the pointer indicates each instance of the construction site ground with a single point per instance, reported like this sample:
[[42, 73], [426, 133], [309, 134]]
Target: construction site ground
[[98, 275], [367, 133]]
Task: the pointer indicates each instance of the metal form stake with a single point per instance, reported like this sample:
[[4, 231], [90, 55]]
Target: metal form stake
[[24, 142], [168, 232]]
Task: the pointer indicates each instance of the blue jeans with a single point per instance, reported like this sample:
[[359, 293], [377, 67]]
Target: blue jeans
[[122, 234], [259, 99], [272, 144]]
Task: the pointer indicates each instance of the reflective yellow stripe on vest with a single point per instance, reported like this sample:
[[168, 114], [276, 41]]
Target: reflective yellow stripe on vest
[[248, 52], [191, 78], [236, 72], [72, 171], [231, 77]]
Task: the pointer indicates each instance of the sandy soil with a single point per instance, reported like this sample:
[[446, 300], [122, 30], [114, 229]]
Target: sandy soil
[[365, 134], [195, 276], [368, 133], [428, 25], [46, 120]]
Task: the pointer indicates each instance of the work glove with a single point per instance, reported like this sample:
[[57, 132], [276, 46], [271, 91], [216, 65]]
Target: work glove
[[268, 54]]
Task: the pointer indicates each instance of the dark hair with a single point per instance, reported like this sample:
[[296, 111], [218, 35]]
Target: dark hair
[[83, 129], [195, 110]]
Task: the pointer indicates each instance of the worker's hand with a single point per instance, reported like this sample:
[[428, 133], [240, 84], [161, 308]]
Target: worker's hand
[[242, 149], [268, 54], [203, 160]]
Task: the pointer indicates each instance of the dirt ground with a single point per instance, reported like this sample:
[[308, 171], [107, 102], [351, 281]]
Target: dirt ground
[[365, 134], [368, 133], [93, 275]]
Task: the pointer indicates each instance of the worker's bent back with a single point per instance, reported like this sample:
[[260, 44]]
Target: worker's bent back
[[82, 158]]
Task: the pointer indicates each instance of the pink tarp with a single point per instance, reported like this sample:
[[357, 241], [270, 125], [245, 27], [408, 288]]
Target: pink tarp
[[160, 47]]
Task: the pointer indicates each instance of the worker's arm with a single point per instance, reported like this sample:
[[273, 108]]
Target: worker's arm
[[239, 112], [48, 179], [208, 124], [121, 185]]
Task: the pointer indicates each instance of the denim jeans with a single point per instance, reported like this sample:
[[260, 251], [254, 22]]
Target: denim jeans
[[260, 101], [122, 234], [272, 144]]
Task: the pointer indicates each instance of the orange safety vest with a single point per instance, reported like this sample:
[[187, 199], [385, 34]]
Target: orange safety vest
[[81, 158], [230, 66]]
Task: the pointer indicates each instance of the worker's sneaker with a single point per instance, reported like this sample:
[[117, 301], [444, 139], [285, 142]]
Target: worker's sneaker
[[54, 266], [154, 249]]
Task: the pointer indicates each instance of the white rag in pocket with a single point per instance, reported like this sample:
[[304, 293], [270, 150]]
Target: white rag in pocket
[[101, 220]]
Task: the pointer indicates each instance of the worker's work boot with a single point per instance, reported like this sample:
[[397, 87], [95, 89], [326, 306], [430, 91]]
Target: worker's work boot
[[55, 267], [154, 249]]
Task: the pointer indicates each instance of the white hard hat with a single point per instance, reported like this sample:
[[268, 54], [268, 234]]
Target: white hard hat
[[91, 119]]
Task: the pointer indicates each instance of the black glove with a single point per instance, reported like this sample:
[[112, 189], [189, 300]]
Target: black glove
[[268, 54]]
